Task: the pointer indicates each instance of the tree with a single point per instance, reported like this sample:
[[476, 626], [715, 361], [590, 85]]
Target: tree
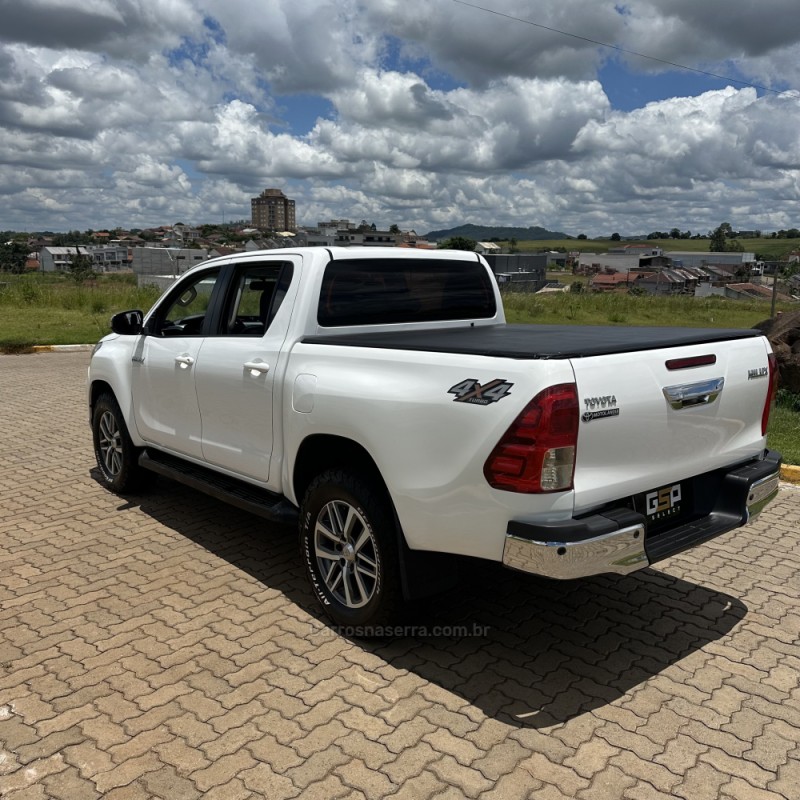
[[615, 237], [394, 228], [458, 243], [512, 245], [582, 236], [719, 238], [80, 267], [13, 255], [675, 233]]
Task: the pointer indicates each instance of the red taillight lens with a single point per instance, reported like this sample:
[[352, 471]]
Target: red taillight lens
[[772, 389], [537, 453]]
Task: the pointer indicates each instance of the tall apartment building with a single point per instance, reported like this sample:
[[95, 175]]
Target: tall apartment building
[[272, 210]]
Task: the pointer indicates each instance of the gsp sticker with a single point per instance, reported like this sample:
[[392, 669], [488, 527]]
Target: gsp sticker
[[663, 502], [470, 391]]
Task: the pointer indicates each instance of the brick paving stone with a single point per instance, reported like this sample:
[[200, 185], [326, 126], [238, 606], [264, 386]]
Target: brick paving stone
[[223, 770], [372, 783], [546, 771], [501, 760], [166, 646], [127, 772], [166, 782], [422, 787], [738, 789], [236, 790], [469, 781], [69, 785], [410, 763]]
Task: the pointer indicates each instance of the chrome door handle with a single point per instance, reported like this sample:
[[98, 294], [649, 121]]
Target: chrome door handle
[[184, 361], [256, 367], [694, 394]]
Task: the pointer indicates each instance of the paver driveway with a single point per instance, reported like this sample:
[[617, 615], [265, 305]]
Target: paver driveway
[[167, 647]]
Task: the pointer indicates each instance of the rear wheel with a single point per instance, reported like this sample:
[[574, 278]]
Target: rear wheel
[[117, 457], [348, 539]]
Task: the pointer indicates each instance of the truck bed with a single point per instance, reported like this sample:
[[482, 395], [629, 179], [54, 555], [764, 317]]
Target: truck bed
[[535, 341]]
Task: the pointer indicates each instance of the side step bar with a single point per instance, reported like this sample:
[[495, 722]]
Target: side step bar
[[273, 507]]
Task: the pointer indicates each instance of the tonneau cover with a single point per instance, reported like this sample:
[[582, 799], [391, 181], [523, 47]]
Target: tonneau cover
[[535, 341]]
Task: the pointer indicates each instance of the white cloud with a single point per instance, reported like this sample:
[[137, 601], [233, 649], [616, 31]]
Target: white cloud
[[131, 113]]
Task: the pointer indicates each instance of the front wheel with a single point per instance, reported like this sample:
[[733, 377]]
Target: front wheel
[[348, 539], [117, 457]]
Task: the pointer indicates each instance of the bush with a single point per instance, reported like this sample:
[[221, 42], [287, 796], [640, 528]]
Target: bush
[[15, 347], [786, 399]]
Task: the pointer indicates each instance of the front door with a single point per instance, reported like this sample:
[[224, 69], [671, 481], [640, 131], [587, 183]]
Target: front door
[[163, 376]]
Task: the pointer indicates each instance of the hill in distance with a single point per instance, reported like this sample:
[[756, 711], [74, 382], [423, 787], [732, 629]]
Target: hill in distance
[[482, 233]]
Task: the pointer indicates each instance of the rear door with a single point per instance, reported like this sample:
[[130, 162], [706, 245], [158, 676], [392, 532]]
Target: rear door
[[236, 374], [654, 418]]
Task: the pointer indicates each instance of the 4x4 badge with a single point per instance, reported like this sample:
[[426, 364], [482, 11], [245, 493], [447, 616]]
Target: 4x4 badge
[[470, 391]]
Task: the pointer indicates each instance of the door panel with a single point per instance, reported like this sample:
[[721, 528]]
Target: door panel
[[236, 374], [163, 376], [164, 396]]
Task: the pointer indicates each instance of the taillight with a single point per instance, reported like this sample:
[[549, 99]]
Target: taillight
[[537, 453], [772, 389]]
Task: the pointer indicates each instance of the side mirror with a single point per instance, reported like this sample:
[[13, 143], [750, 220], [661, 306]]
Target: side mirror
[[127, 323]]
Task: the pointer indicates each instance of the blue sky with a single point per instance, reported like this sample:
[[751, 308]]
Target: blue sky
[[423, 113]]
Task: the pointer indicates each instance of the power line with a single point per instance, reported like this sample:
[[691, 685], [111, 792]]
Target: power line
[[624, 50]]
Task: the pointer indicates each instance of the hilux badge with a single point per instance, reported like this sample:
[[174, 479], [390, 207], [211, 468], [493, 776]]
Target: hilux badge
[[759, 372]]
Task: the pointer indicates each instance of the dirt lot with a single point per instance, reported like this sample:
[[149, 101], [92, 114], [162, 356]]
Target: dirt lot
[[167, 647]]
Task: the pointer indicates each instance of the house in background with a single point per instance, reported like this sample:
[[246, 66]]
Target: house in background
[[488, 248], [59, 259]]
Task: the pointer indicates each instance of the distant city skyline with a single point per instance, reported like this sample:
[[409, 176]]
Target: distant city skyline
[[421, 114]]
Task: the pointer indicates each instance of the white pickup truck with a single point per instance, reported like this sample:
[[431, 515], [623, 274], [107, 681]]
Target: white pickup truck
[[378, 397]]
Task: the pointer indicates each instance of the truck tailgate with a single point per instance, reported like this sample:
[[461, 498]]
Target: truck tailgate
[[651, 419]]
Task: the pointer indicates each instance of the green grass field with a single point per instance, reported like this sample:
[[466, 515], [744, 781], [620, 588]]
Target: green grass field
[[53, 309], [784, 433], [588, 308]]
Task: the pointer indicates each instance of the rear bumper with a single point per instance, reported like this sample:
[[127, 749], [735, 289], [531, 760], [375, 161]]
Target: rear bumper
[[616, 539]]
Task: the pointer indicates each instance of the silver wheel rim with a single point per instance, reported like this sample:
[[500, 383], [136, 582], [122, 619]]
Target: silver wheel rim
[[110, 444], [346, 554]]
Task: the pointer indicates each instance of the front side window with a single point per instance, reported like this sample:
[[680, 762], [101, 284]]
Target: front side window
[[183, 313], [397, 290]]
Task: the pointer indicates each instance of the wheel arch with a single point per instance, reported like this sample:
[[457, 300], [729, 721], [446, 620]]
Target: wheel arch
[[320, 452], [97, 388]]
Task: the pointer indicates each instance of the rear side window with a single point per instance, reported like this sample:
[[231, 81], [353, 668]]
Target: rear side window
[[381, 292]]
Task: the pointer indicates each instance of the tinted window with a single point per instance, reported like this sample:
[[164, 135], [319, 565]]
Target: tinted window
[[256, 294], [380, 292]]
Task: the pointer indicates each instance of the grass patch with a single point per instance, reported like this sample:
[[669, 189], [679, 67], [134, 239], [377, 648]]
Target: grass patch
[[620, 309], [783, 434], [53, 309]]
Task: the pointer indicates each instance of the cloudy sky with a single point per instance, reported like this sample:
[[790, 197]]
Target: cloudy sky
[[424, 113]]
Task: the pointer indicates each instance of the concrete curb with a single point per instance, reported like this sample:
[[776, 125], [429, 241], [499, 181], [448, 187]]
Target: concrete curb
[[790, 473], [62, 348]]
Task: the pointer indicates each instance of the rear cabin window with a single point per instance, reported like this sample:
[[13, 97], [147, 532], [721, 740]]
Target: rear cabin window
[[367, 292]]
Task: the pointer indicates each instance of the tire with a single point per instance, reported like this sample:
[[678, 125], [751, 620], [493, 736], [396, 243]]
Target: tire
[[348, 541], [117, 457]]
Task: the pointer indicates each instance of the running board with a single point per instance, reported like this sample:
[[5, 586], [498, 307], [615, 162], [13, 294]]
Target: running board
[[268, 505]]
